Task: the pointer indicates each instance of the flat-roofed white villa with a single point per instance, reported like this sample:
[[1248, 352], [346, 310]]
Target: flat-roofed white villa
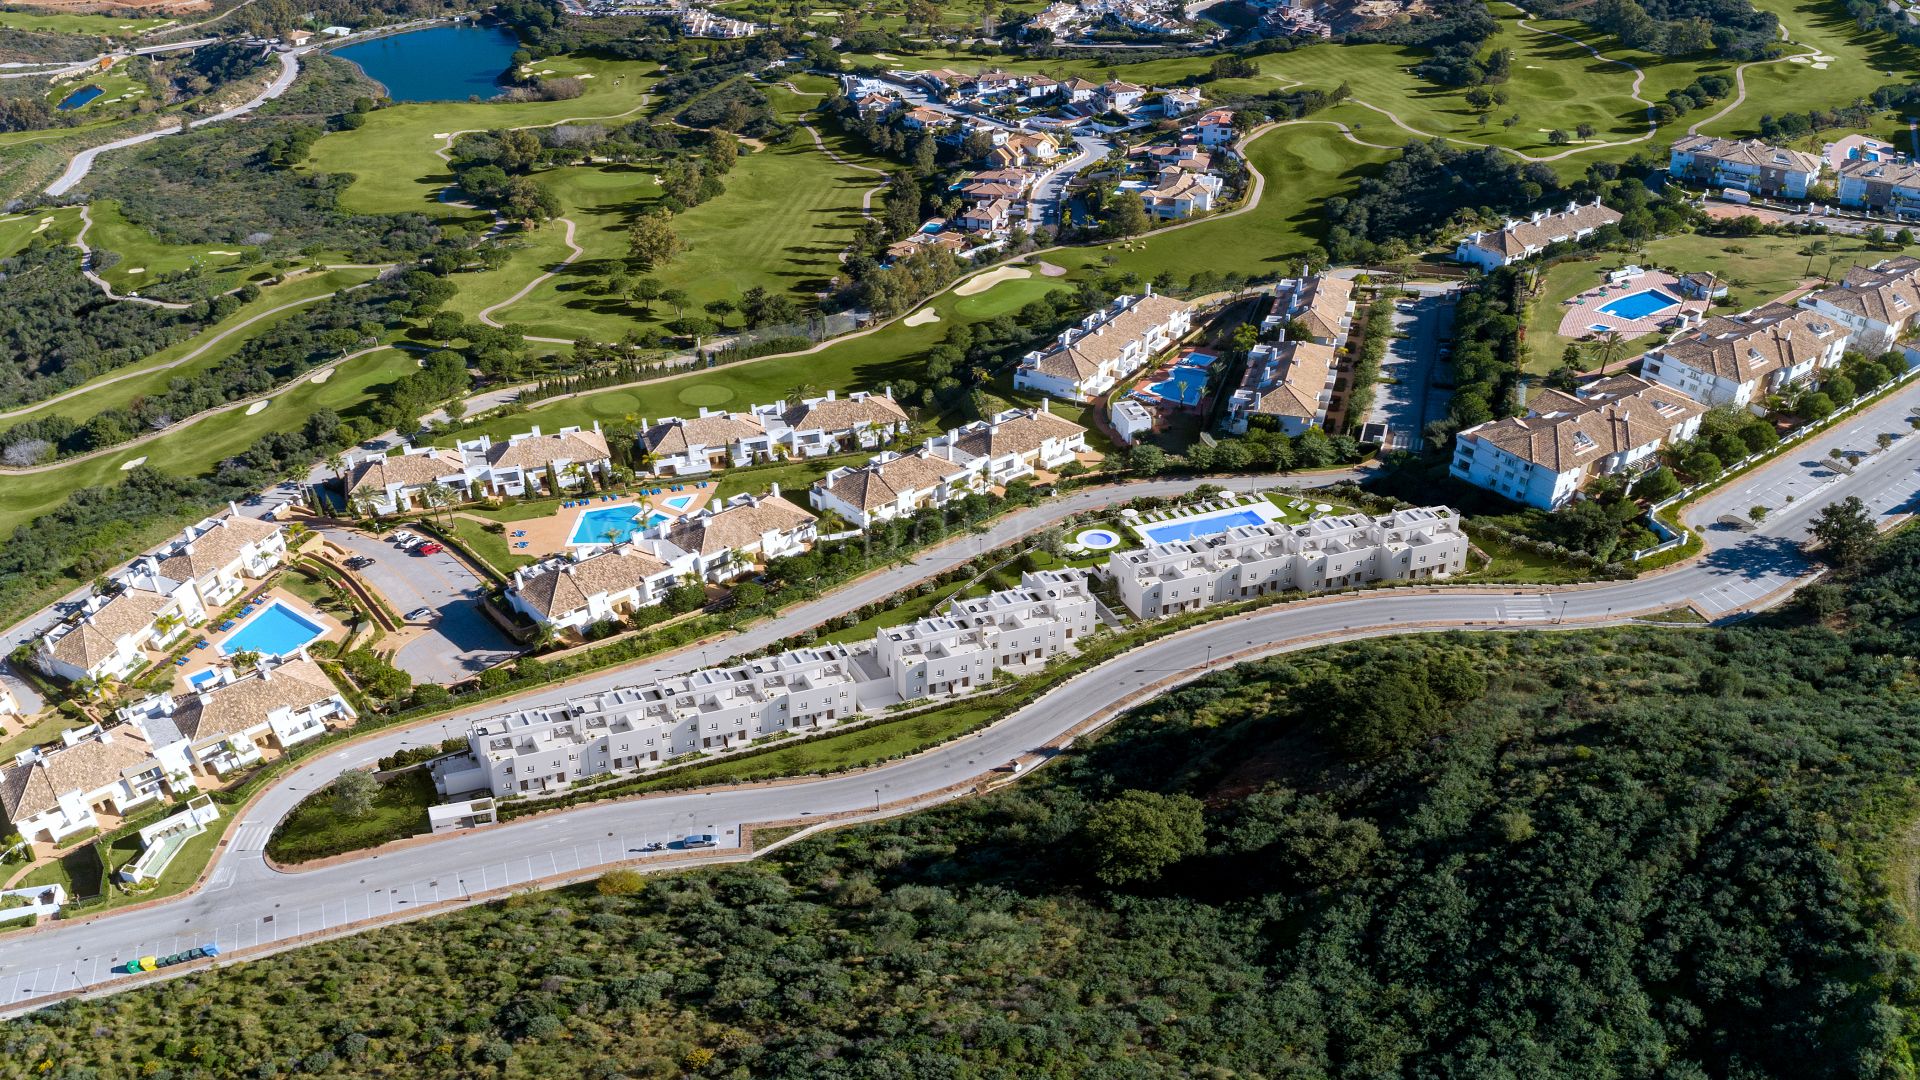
[[970, 643], [1247, 561]]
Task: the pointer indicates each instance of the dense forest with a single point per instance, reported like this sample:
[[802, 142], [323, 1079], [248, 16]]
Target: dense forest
[[1642, 852]]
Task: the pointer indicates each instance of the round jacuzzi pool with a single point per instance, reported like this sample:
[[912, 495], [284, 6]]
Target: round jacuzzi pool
[[1098, 539]]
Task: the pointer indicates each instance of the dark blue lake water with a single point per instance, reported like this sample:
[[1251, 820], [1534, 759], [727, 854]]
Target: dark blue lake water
[[80, 97], [444, 63]]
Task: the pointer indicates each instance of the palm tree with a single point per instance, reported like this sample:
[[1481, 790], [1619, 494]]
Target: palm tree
[[802, 391], [1608, 350]]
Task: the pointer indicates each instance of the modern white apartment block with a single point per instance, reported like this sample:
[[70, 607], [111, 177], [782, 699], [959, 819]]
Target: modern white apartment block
[[814, 427], [1876, 304], [531, 462], [1324, 305], [1747, 165], [546, 750], [1106, 346], [1254, 560], [1015, 443], [1885, 187], [1542, 459], [1740, 359], [50, 794], [159, 595], [1522, 239], [228, 723], [1289, 382], [975, 639]]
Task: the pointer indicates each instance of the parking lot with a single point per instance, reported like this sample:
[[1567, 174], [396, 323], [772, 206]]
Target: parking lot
[[462, 639], [1405, 398]]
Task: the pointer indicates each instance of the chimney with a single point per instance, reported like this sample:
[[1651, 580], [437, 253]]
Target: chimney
[[773, 490]]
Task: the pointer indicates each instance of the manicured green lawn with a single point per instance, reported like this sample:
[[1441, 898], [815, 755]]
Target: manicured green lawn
[[1006, 297], [99, 394], [117, 88], [89, 25], [82, 864], [140, 250], [794, 477], [19, 230], [489, 546], [193, 450], [314, 830]]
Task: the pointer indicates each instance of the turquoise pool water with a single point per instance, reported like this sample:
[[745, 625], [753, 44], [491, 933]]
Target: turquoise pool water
[[201, 678], [1639, 305], [1184, 384], [680, 502], [612, 524], [444, 63], [1189, 528], [275, 631]]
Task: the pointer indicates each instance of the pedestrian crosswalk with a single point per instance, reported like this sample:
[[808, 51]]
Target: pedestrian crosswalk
[[1525, 609]]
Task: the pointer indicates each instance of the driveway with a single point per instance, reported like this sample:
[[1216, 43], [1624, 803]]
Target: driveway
[[462, 640], [1406, 398]]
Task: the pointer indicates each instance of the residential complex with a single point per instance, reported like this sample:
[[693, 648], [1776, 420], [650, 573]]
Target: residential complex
[[1740, 359], [1884, 187], [50, 794], [575, 593], [1541, 459], [1254, 560], [814, 427], [229, 722], [530, 463], [158, 596], [1876, 304], [548, 749], [1516, 239], [1323, 306], [1747, 165], [1289, 382], [1106, 346]]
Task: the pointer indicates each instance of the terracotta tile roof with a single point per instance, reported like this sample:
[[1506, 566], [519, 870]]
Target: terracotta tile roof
[[1751, 152], [539, 451], [1518, 238], [91, 638], [845, 413], [245, 703], [1892, 173], [406, 470], [1322, 304], [1093, 350], [874, 485], [1563, 432], [1762, 341], [85, 767], [679, 436], [1887, 293], [215, 549], [1023, 434], [1290, 385], [557, 590], [739, 526]]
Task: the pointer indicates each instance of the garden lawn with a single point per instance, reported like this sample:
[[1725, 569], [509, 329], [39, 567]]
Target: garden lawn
[[196, 449], [1863, 61], [393, 156], [117, 87], [314, 831], [489, 546], [794, 477]]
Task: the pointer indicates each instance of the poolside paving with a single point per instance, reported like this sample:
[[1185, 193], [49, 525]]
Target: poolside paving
[[1584, 316], [553, 534]]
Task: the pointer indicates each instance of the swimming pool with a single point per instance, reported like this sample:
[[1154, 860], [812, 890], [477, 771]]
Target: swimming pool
[[276, 631], [1098, 539], [1639, 305], [613, 524], [680, 502], [1201, 360], [1186, 385], [200, 679], [1219, 521]]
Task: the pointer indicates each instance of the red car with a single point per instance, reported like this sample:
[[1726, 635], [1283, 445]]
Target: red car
[[429, 548]]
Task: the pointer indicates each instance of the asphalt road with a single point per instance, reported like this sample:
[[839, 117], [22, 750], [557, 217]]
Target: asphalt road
[[247, 904]]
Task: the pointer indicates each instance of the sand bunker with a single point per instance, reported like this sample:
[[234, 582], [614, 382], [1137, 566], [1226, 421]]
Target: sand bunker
[[1047, 269], [588, 75], [320, 377], [134, 464], [258, 405], [138, 270], [991, 278], [922, 317], [223, 252]]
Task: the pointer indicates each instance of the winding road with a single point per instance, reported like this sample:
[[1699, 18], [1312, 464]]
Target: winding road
[[249, 908]]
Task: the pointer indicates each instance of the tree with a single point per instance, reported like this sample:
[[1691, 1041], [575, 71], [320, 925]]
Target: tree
[[720, 309], [353, 792], [645, 291], [1126, 215], [1135, 837], [1147, 458], [1845, 532], [620, 883], [651, 241]]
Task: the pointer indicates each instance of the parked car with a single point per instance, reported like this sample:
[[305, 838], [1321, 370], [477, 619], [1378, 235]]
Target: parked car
[[430, 548], [403, 538], [700, 840], [420, 614]]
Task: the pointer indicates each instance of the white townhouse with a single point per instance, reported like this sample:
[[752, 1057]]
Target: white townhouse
[[51, 793], [225, 724], [1121, 97], [1106, 346], [391, 484], [573, 594], [1214, 128], [1254, 560], [1182, 194], [897, 485], [1748, 165], [1541, 459], [1324, 305], [1740, 359], [548, 749], [1290, 382], [1180, 100], [815, 427], [1078, 90], [1876, 304], [722, 544], [1015, 443], [1885, 187], [1516, 240], [109, 636], [531, 462], [219, 556], [973, 640]]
